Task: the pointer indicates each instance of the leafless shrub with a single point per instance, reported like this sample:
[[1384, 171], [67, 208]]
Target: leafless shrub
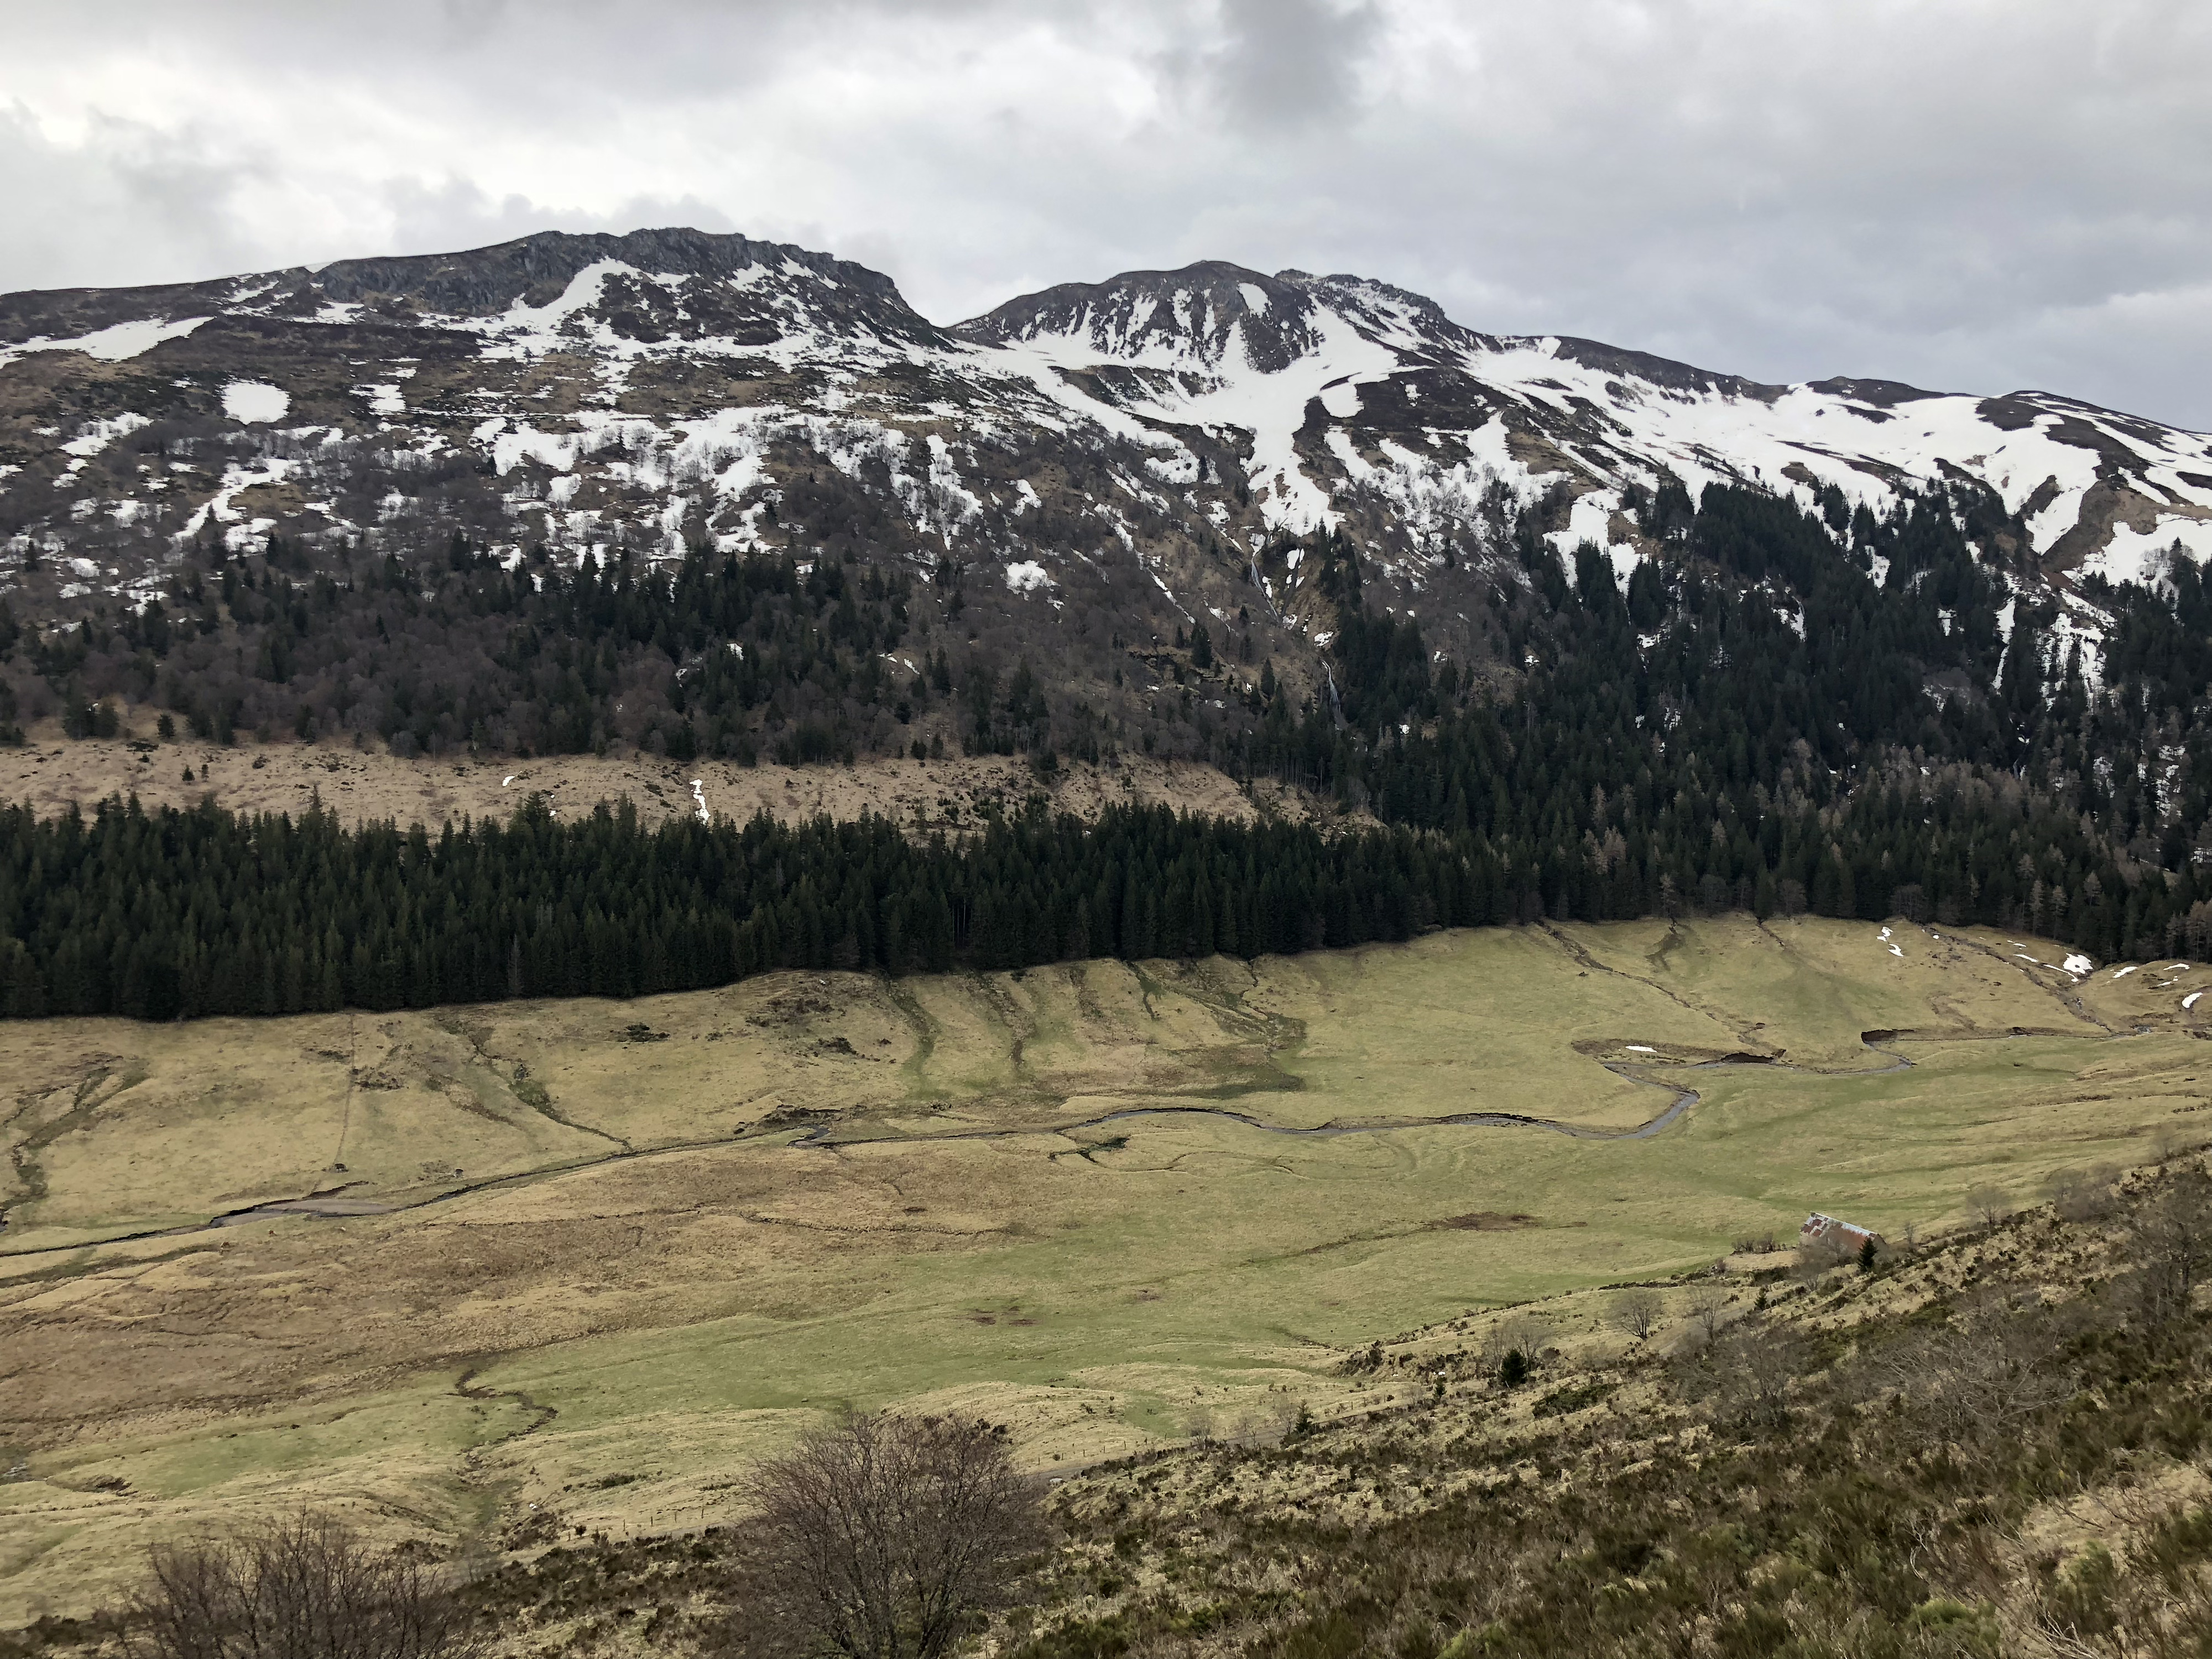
[[880, 1538], [1992, 1366], [1265, 1424], [1823, 1252], [1524, 1333], [1752, 1370], [1992, 1204], [308, 1585], [2081, 1194], [1637, 1312]]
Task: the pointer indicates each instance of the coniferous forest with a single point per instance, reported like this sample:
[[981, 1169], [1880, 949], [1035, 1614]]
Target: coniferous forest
[[1786, 711]]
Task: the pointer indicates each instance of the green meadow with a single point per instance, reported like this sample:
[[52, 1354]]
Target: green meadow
[[627, 1248]]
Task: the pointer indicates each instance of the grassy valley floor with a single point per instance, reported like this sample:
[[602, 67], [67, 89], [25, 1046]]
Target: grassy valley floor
[[577, 1264]]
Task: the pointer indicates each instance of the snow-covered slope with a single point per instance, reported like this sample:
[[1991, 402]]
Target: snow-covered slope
[[640, 392], [1339, 381]]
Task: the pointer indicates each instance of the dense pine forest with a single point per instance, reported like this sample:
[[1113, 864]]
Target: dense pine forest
[[1785, 710]]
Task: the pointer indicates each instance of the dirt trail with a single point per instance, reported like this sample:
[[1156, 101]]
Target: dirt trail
[[1745, 1034], [2065, 998]]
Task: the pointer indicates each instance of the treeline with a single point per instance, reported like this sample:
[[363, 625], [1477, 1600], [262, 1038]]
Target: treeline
[[177, 914]]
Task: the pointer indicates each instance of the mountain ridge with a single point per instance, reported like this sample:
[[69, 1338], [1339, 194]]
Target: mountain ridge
[[538, 256], [1178, 320], [1081, 476]]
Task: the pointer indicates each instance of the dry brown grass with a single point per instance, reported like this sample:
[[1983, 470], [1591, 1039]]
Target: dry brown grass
[[52, 772]]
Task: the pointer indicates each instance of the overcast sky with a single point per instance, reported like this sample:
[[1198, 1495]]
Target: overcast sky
[[1974, 195]]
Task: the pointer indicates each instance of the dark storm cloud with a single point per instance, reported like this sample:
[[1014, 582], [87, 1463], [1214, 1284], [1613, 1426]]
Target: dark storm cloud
[[1974, 194]]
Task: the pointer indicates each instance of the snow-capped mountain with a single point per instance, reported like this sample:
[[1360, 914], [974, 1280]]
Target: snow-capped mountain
[[1154, 434], [1341, 380]]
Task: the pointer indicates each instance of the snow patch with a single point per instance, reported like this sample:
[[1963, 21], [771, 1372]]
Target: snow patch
[[110, 344], [97, 435], [253, 403], [2146, 556], [1027, 576]]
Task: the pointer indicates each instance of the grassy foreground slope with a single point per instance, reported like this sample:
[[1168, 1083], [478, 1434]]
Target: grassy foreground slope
[[628, 1246]]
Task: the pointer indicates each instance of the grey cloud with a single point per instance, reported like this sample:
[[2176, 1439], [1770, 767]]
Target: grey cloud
[[457, 213], [77, 215], [1278, 64], [1975, 196]]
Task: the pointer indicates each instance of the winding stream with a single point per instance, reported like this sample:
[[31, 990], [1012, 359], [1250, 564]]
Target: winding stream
[[332, 1204]]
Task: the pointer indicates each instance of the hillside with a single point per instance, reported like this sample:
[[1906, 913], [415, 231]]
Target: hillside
[[1991, 1444], [52, 773], [489, 1274]]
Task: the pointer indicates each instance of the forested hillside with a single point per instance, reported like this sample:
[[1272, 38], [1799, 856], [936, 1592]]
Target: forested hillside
[[1561, 630], [1782, 711]]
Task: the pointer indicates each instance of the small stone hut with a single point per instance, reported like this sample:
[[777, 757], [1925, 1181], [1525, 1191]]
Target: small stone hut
[[1844, 1238]]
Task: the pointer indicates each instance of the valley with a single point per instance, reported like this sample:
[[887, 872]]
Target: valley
[[705, 953], [601, 1256]]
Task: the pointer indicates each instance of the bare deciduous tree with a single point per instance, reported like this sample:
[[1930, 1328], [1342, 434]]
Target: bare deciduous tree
[[1709, 1306], [1994, 1365], [1991, 1203], [879, 1539], [306, 1585], [1524, 1332], [1637, 1312], [2171, 1240], [1755, 1368], [2081, 1194]]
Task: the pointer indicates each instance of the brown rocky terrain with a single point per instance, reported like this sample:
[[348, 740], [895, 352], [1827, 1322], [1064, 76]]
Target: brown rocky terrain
[[52, 773]]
